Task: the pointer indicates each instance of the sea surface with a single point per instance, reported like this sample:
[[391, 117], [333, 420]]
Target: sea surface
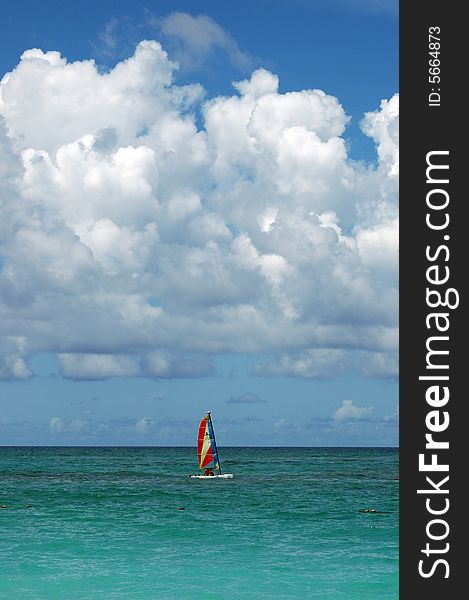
[[88, 523]]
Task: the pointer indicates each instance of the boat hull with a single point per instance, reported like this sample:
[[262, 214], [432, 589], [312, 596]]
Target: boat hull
[[222, 476]]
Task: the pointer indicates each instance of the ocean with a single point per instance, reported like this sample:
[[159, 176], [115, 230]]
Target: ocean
[[107, 523]]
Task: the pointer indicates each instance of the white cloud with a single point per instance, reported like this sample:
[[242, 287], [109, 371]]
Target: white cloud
[[380, 364], [12, 364], [145, 425], [383, 127], [48, 102], [96, 366], [56, 425], [349, 411], [283, 425], [137, 243], [196, 39], [312, 364], [159, 364], [13, 367], [379, 247], [156, 364], [261, 82]]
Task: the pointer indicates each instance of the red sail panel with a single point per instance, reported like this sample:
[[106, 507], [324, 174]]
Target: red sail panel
[[204, 445]]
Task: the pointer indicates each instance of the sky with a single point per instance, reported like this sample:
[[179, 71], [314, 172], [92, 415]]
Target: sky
[[199, 212]]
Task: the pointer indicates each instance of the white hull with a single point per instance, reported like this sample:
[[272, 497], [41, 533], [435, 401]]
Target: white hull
[[222, 476]]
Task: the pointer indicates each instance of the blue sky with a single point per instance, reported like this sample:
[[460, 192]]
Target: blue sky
[[172, 243]]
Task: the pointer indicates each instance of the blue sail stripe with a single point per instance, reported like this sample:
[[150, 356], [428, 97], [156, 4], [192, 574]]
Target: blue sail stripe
[[212, 442]]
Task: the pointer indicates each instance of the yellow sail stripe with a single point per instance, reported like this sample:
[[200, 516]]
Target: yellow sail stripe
[[206, 445]]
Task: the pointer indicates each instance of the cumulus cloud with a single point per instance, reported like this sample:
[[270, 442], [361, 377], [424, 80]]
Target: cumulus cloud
[[12, 363], [283, 425], [145, 425], [157, 364], [349, 411], [311, 364], [378, 248], [380, 364], [56, 425], [383, 127], [48, 102], [96, 366], [137, 242]]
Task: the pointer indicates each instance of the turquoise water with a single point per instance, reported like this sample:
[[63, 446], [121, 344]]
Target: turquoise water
[[86, 523]]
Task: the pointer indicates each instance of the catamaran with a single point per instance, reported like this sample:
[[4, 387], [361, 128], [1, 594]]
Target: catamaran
[[207, 452]]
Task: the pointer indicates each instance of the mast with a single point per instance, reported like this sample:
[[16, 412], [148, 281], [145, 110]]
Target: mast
[[214, 441]]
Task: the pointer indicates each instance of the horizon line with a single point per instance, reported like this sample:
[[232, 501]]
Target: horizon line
[[177, 446]]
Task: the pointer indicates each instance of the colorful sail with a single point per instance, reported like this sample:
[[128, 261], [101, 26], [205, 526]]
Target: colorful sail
[[206, 446]]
